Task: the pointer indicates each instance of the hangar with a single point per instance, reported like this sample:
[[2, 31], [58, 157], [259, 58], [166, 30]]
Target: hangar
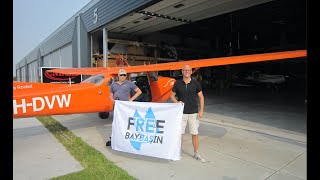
[[102, 33], [149, 31]]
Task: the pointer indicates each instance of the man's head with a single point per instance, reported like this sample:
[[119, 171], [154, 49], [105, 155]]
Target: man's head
[[186, 70], [122, 74]]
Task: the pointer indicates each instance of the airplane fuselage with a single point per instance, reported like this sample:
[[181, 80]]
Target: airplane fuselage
[[38, 99], [77, 98]]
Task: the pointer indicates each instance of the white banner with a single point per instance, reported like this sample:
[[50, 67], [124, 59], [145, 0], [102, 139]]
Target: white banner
[[146, 128]]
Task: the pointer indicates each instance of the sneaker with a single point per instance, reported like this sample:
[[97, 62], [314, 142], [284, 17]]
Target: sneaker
[[198, 157], [108, 143]]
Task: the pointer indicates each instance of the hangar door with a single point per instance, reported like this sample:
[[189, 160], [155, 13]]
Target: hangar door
[[61, 57], [46, 61], [18, 75], [33, 71], [23, 74], [66, 56]]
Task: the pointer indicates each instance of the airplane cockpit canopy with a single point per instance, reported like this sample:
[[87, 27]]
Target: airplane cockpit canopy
[[97, 79]]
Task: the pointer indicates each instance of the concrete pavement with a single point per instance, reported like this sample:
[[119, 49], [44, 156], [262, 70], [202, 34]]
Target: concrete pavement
[[37, 154], [240, 139], [231, 153]]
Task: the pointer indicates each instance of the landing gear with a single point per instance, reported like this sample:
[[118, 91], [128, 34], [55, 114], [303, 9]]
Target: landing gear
[[103, 115]]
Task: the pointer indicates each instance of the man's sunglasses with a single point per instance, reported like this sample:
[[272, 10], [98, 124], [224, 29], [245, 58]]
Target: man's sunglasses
[[123, 75]]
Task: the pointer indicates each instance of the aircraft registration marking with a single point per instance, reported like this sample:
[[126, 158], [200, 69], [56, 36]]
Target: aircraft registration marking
[[63, 101]]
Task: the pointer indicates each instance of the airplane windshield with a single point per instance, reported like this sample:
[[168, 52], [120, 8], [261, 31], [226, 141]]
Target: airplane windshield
[[98, 79], [154, 76]]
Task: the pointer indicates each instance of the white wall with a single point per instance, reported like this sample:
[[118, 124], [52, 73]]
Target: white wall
[[66, 56], [23, 74], [18, 75], [46, 61], [55, 58], [33, 71]]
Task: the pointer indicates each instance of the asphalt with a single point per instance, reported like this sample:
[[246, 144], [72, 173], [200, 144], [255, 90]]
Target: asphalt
[[239, 141]]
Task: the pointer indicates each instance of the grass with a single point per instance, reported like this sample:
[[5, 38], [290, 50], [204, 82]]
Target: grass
[[95, 164]]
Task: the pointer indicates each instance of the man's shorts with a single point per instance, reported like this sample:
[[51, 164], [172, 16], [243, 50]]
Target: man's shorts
[[193, 121]]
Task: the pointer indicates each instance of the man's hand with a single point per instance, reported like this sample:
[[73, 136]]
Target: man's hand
[[200, 114], [180, 102]]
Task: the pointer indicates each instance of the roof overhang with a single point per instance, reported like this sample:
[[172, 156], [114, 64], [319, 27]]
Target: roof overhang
[[171, 13]]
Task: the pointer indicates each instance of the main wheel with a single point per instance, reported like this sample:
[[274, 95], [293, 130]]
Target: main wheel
[[103, 115]]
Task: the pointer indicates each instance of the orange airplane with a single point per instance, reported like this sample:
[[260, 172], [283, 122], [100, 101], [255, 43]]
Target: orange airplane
[[93, 94]]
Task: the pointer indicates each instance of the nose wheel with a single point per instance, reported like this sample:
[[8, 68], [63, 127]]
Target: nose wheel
[[103, 115]]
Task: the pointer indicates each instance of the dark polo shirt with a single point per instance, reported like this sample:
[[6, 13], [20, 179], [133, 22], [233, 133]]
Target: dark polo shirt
[[188, 94]]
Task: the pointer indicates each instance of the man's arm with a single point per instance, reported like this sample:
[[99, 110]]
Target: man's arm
[[111, 93], [138, 92], [111, 97], [173, 97], [201, 101]]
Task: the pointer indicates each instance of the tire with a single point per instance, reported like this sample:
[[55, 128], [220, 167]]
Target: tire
[[103, 115]]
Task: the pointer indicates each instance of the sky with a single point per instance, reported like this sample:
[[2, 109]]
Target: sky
[[35, 20]]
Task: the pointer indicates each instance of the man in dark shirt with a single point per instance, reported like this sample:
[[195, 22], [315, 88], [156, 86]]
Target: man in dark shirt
[[189, 92]]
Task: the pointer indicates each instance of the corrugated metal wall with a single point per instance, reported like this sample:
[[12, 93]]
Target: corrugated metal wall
[[63, 45], [18, 74], [55, 58], [23, 73], [66, 56], [33, 71], [61, 57], [32, 56], [60, 39], [108, 11], [46, 61]]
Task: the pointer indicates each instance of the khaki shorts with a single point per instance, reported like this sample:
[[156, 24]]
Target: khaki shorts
[[193, 121]]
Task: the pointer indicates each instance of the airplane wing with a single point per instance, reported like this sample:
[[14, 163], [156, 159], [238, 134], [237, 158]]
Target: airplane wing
[[193, 63]]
